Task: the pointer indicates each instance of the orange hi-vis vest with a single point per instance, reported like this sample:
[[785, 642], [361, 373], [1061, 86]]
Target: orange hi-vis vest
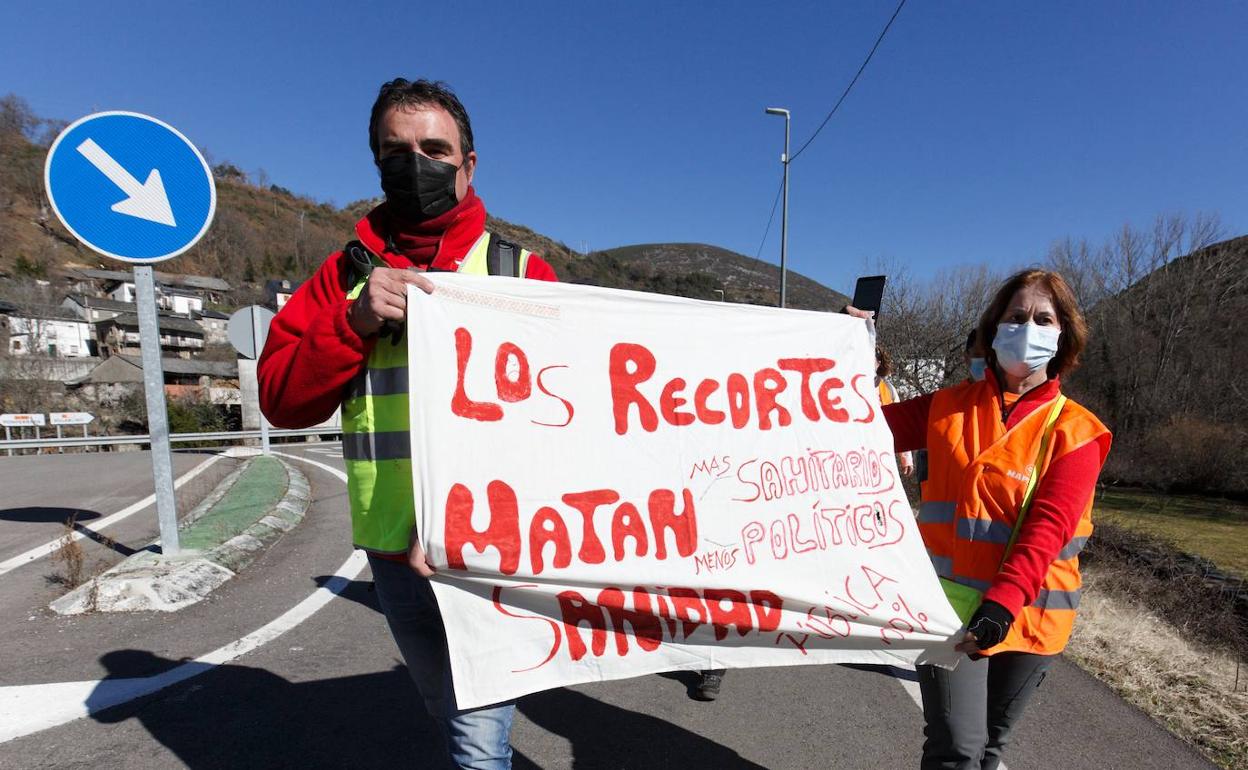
[[977, 477], [886, 392]]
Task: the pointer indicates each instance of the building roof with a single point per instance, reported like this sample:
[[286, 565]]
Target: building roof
[[203, 282], [102, 303], [222, 369], [168, 323], [281, 286], [130, 369], [49, 312], [211, 314], [111, 369], [171, 279]]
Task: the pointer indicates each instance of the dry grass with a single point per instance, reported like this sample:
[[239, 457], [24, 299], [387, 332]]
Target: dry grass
[[70, 556], [1185, 685], [195, 490]]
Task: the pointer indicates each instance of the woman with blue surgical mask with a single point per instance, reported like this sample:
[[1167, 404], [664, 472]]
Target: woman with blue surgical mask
[[1007, 507]]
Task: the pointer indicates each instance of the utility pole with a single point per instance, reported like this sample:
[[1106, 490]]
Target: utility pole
[[784, 211]]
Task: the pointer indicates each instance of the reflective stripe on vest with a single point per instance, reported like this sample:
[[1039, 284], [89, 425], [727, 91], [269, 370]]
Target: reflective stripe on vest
[[376, 442], [1056, 600], [936, 512], [978, 474]]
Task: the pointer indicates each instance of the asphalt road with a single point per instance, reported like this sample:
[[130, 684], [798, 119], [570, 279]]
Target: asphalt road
[[332, 692]]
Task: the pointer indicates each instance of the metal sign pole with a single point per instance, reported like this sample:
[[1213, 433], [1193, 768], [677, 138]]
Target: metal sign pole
[[157, 416], [8, 436], [257, 342]]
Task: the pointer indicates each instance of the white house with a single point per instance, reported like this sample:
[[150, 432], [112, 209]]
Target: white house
[[122, 292], [51, 330], [171, 298], [180, 301]]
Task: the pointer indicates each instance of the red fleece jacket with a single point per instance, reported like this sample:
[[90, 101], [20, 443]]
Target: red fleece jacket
[[1061, 496], [312, 352]]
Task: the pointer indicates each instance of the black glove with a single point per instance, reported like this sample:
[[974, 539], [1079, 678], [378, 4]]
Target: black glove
[[989, 624]]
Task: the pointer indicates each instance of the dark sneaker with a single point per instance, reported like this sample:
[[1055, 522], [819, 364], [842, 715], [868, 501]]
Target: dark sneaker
[[708, 687]]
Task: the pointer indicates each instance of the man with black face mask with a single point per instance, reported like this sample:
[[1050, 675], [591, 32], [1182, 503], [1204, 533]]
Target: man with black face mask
[[339, 341]]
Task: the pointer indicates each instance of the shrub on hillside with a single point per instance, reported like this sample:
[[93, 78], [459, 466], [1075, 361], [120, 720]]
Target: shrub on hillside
[[1185, 454], [191, 416]]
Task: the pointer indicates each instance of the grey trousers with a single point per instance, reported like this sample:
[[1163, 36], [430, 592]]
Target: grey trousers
[[970, 711]]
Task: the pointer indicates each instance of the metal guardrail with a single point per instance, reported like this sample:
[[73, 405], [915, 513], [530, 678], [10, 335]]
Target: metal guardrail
[[176, 438]]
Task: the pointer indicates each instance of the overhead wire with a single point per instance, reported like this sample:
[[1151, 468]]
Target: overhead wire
[[850, 87], [770, 219]]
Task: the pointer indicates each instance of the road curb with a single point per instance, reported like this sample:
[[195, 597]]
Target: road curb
[[152, 581]]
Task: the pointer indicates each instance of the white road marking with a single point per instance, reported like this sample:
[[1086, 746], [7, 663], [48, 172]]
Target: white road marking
[[25, 709], [47, 549]]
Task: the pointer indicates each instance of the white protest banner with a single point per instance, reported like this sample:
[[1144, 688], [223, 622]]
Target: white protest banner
[[612, 484]]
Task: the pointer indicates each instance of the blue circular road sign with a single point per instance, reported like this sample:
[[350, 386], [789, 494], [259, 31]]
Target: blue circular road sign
[[130, 186]]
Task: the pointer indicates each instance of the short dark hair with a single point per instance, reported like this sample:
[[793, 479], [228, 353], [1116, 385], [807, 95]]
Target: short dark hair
[[401, 92], [1074, 329], [970, 342]]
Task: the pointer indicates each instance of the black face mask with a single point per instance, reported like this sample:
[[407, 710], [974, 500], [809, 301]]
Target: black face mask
[[417, 187]]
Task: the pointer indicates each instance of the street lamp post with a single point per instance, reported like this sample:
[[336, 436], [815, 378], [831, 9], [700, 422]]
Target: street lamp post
[[784, 212]]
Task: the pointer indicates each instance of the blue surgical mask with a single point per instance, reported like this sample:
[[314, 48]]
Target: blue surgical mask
[[978, 368], [1024, 349]]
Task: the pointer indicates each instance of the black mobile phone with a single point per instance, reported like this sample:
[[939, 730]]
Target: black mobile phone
[[869, 293]]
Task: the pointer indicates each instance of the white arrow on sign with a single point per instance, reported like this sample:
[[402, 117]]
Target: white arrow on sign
[[145, 201]]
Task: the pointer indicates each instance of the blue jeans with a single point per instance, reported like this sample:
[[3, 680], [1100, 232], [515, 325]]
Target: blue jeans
[[479, 739]]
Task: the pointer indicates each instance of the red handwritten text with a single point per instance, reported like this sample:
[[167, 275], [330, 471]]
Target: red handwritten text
[[632, 365], [549, 528], [513, 382]]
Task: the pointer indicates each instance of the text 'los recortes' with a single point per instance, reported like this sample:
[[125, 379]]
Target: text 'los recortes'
[[811, 388]]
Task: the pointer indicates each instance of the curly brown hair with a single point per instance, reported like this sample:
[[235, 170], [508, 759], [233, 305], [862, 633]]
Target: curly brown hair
[[1074, 329], [884, 367]]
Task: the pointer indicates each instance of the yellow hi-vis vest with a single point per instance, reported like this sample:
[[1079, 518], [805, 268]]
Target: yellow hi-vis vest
[[977, 479], [376, 443]]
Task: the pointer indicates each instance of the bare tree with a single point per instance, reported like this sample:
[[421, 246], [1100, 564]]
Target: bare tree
[[1164, 361], [924, 325]]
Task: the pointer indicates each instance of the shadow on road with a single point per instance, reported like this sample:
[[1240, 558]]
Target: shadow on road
[[690, 679], [603, 735], [359, 591], [242, 717], [889, 671], [46, 515]]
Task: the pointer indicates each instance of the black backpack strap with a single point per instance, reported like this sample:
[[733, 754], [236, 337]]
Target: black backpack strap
[[357, 263], [502, 257]]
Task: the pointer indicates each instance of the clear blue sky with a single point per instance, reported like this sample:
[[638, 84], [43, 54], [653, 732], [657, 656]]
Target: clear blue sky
[[981, 132]]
